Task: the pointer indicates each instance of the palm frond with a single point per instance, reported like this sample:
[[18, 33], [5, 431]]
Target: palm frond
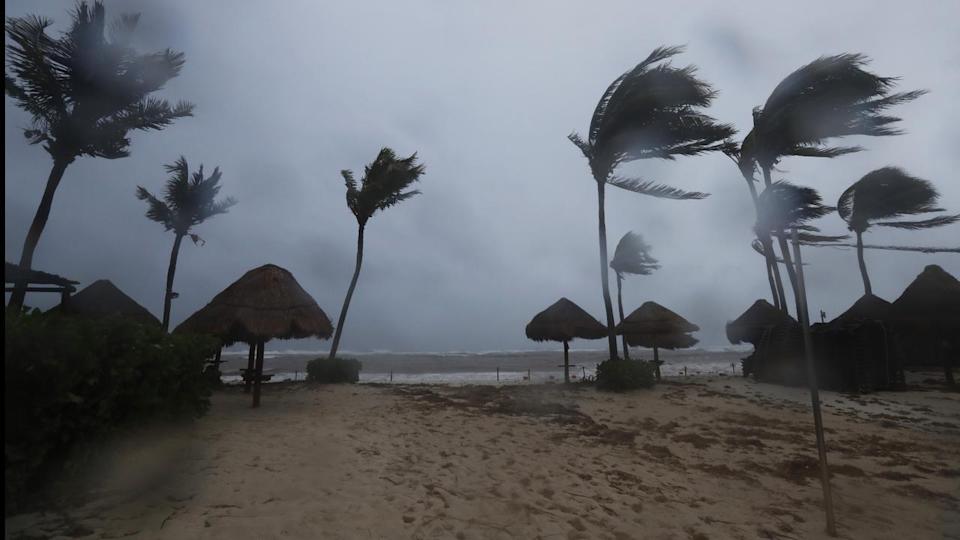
[[384, 184], [188, 199], [157, 210], [632, 256], [784, 206], [646, 187], [888, 193], [938, 221]]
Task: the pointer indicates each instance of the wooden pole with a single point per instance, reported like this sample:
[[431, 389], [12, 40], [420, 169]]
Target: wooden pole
[[814, 393], [257, 374], [566, 361], [251, 358], [656, 360]]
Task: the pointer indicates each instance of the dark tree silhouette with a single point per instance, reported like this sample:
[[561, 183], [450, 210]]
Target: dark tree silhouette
[[85, 92], [885, 194], [833, 96], [384, 184], [783, 207], [632, 256], [188, 200], [651, 111]]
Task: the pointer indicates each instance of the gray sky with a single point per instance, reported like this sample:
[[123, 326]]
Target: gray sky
[[486, 93]]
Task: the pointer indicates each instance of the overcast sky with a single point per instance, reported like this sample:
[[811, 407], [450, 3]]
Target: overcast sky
[[486, 93]]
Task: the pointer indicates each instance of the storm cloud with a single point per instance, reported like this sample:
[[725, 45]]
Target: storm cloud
[[290, 93]]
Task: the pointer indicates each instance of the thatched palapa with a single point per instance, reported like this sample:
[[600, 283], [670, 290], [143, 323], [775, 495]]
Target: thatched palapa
[[564, 321], [654, 326], [751, 326], [102, 299], [266, 303]]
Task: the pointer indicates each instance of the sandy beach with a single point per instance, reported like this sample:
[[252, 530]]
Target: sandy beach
[[696, 458]]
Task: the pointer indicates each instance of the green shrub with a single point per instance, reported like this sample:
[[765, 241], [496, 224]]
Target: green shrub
[[620, 375], [71, 380], [338, 370]]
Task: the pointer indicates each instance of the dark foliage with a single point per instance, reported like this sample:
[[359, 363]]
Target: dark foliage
[[187, 199], [70, 380], [891, 193], [620, 375], [333, 370], [384, 184]]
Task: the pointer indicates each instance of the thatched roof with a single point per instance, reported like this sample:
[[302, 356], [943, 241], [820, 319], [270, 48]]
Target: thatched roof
[[867, 308], [103, 299], [932, 299], [564, 321], [749, 327], [12, 273], [652, 324], [266, 303]]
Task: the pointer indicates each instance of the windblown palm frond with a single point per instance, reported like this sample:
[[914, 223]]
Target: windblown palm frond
[[652, 189], [651, 111], [833, 96], [889, 193], [384, 184], [187, 200], [784, 206], [633, 256], [86, 90]]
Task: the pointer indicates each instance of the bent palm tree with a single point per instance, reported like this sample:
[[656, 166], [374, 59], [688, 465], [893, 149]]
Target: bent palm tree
[[187, 201], [632, 256], [651, 111], [833, 96], [85, 93], [888, 193], [783, 207], [383, 185]]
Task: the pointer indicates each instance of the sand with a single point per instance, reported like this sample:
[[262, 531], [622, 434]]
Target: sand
[[694, 458]]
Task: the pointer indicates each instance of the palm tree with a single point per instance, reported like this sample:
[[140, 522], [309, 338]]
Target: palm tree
[[783, 207], [833, 96], [188, 200], [651, 111], [888, 193], [632, 256], [384, 184], [85, 92]]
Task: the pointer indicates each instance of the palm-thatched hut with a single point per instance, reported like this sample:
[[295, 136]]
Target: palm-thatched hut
[[266, 303], [926, 318], [102, 299], [854, 351], [37, 281], [777, 344], [654, 326], [564, 321]]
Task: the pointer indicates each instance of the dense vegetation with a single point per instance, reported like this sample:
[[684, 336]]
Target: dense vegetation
[[72, 380], [620, 375]]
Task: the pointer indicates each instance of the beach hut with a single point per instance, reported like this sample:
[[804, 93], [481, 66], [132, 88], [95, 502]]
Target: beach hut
[[855, 350], [777, 344], [654, 326], [564, 321], [266, 303], [926, 318], [102, 299]]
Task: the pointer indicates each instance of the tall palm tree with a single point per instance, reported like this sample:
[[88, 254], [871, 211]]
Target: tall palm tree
[[833, 96], [632, 256], [651, 111], [384, 184], [85, 92], [783, 207], [884, 194], [188, 200]]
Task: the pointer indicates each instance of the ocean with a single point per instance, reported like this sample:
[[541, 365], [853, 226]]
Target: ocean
[[495, 367]]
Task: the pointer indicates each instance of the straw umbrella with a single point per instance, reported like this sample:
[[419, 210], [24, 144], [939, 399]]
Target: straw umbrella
[[102, 299], [652, 325], [929, 310], [564, 321], [266, 303], [750, 326]]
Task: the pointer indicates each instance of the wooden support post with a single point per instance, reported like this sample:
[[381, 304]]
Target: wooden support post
[[258, 374], [498, 373], [566, 361], [804, 318], [251, 359], [656, 361]]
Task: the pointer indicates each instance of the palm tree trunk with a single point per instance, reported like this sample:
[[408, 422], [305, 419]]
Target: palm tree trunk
[[791, 270], [171, 270], [346, 301], [626, 350], [771, 263], [566, 361], [36, 229], [773, 285], [604, 277], [771, 255], [867, 289]]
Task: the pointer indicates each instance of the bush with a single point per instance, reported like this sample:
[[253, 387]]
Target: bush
[[619, 375], [71, 380], [338, 370]]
